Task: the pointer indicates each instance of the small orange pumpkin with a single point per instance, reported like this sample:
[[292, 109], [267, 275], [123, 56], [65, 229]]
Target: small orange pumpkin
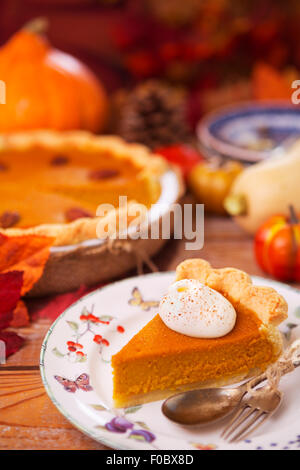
[[46, 88], [277, 247]]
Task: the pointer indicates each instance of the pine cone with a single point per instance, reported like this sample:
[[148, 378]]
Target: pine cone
[[154, 114]]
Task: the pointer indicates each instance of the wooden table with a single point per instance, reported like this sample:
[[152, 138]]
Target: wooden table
[[28, 419]]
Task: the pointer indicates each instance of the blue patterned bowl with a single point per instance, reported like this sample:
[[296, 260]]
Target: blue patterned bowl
[[249, 131]]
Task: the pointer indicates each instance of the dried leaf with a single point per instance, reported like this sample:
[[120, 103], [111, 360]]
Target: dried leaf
[[20, 315], [58, 304], [28, 254], [13, 342], [269, 83], [52, 308], [10, 291]]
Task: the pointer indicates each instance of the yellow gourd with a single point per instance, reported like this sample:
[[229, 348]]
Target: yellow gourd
[[266, 189], [211, 183]]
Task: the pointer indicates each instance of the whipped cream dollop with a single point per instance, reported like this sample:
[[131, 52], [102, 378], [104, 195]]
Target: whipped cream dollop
[[193, 309]]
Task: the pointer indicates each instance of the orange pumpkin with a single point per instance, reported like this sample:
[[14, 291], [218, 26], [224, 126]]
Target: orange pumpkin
[[46, 88], [277, 247]]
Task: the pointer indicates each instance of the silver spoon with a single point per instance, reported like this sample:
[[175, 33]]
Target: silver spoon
[[206, 405]]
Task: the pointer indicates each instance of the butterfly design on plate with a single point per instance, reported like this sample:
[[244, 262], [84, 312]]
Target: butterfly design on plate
[[81, 383], [137, 301]]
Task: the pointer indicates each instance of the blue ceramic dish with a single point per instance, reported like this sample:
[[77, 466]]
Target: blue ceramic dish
[[250, 131]]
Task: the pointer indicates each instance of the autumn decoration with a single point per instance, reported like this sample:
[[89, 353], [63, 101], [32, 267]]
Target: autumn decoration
[[22, 262], [277, 246], [184, 156], [268, 83], [47, 88], [210, 183]]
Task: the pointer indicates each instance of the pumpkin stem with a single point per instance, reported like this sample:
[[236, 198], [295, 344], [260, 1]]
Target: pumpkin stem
[[38, 25], [236, 204], [293, 216]]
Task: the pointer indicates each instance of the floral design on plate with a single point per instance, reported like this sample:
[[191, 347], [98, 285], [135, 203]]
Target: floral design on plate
[[107, 314], [120, 424], [88, 324]]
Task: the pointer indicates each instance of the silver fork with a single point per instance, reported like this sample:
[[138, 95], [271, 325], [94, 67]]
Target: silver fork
[[251, 413]]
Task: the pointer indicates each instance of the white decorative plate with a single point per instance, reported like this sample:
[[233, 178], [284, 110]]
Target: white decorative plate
[[76, 371]]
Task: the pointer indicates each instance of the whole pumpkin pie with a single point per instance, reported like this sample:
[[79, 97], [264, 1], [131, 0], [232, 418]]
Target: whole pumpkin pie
[[52, 183], [159, 361]]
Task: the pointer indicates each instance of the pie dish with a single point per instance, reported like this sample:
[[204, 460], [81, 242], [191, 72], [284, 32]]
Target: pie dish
[[51, 183], [158, 361]]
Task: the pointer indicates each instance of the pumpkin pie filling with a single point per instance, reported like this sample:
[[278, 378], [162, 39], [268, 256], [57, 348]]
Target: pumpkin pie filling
[[158, 361], [52, 184]]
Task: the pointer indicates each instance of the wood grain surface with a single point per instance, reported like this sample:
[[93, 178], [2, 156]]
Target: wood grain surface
[[28, 419]]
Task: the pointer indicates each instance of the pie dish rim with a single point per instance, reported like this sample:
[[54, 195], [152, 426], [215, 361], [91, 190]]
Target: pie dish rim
[[76, 233]]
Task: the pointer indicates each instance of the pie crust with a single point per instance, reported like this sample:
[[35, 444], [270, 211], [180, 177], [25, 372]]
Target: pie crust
[[149, 167], [158, 362], [269, 306]]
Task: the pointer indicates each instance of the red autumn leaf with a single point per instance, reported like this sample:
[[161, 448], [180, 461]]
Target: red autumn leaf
[[13, 342], [58, 304], [182, 155], [10, 292], [20, 316], [28, 254], [51, 309], [269, 83]]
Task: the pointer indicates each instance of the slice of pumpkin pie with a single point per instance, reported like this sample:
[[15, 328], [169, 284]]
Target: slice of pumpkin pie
[[214, 327]]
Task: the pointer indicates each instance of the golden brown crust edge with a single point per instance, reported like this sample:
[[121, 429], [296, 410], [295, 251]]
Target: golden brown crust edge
[[82, 140], [78, 231], [152, 166], [269, 306]]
